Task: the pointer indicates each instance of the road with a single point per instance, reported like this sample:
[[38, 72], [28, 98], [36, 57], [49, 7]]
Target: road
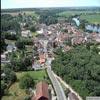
[[57, 86], [68, 87]]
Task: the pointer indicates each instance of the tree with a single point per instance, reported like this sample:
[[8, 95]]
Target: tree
[[20, 44], [10, 75], [3, 44], [32, 29], [3, 87], [80, 67], [26, 82]]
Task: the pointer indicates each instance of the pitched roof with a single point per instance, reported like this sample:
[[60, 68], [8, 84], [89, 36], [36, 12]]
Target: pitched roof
[[42, 58], [41, 91]]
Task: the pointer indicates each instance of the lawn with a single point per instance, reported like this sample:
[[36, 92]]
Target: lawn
[[15, 93], [37, 75]]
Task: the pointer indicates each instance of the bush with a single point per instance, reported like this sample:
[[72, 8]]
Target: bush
[[3, 87], [10, 76], [26, 82]]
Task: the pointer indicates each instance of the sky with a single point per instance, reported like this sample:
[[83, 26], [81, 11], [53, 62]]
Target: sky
[[47, 3]]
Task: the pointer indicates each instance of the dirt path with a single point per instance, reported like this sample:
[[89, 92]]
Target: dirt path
[[68, 86]]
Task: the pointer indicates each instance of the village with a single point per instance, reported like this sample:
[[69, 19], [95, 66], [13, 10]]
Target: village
[[44, 43]]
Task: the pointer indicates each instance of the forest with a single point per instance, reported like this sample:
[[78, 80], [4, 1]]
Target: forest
[[80, 67]]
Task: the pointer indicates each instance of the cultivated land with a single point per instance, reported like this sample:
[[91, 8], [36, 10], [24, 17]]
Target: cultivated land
[[87, 15], [15, 93], [94, 18]]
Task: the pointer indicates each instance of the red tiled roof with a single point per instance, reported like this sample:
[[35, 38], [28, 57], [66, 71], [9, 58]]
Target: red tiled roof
[[42, 58], [41, 91]]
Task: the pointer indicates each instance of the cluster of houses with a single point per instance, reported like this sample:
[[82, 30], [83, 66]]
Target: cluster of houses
[[25, 32], [52, 36]]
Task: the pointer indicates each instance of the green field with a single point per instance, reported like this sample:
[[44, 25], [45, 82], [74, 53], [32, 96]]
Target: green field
[[88, 15], [37, 75], [92, 18], [15, 93]]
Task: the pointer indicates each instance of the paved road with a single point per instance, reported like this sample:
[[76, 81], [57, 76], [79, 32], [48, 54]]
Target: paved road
[[68, 87], [57, 86]]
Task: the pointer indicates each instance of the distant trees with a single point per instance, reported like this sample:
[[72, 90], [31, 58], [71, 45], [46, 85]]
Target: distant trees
[[26, 82], [8, 23], [80, 68], [3, 44], [48, 17]]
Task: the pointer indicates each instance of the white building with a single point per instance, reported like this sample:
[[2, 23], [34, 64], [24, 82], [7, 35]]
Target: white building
[[26, 33]]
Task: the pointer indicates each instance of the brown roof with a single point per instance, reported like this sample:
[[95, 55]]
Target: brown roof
[[41, 91], [42, 58]]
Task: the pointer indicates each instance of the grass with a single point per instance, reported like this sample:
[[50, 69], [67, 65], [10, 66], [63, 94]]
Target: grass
[[34, 34], [88, 15], [37, 75], [95, 18], [14, 89], [10, 41], [15, 93]]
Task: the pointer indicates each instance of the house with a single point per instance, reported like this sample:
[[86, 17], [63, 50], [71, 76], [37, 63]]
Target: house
[[42, 58], [40, 31], [42, 92], [36, 66], [72, 96], [3, 57], [26, 33], [12, 32], [11, 47]]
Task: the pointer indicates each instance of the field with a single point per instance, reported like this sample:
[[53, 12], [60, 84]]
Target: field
[[88, 15], [16, 13], [15, 93], [92, 18]]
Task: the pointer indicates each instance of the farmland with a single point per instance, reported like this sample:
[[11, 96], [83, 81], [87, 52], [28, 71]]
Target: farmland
[[87, 15]]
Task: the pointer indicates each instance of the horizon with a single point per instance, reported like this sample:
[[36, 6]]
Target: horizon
[[53, 7], [14, 4]]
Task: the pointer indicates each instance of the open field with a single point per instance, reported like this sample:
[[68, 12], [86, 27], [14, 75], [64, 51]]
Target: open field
[[88, 15], [15, 93], [92, 18], [16, 13], [37, 75]]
